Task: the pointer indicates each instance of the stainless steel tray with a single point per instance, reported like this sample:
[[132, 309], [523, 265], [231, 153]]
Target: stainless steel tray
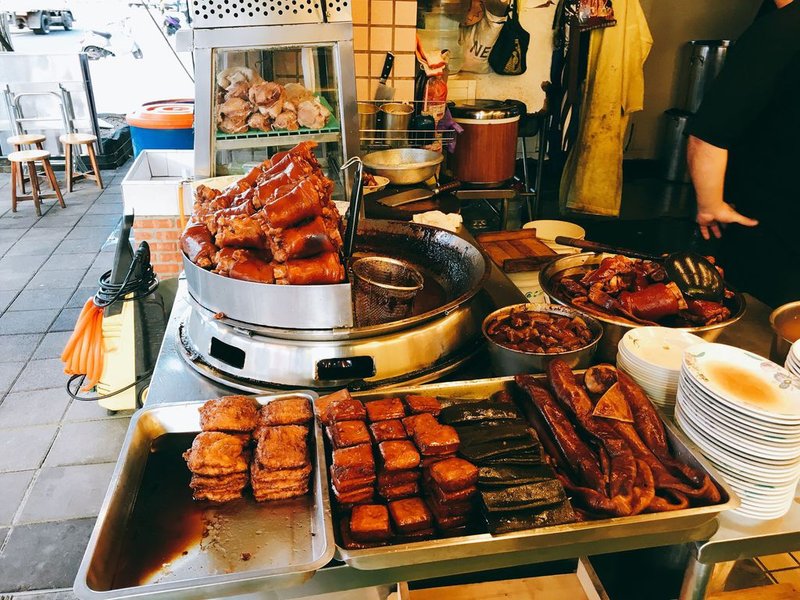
[[650, 525], [245, 546]]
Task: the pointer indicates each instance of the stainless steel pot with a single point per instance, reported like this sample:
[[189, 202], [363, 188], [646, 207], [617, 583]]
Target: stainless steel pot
[[404, 166], [506, 361], [615, 328]]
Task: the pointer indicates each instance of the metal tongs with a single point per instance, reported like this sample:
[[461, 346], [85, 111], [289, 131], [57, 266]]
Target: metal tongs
[[356, 196], [695, 275]]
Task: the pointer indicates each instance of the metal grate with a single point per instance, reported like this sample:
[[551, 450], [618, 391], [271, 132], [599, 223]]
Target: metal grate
[[244, 13]]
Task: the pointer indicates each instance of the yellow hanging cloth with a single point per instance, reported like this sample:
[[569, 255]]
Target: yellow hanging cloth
[[592, 177]]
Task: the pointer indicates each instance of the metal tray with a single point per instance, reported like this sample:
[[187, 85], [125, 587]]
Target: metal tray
[[574, 534], [286, 541]]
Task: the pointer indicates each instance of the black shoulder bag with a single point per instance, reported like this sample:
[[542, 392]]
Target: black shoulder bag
[[508, 55]]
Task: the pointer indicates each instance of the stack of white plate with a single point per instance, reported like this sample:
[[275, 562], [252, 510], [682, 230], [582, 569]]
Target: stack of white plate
[[653, 357], [793, 359], [743, 412]]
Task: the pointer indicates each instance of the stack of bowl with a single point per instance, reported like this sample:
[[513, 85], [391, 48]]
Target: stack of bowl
[[793, 359], [653, 357]]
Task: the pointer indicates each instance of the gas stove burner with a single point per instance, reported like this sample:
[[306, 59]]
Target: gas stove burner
[[431, 373]]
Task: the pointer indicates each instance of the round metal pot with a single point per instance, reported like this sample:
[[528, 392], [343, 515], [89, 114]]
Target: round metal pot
[[404, 166], [615, 327], [506, 361]]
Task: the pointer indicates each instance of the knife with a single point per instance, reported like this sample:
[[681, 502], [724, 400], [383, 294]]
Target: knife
[[384, 93], [416, 195]]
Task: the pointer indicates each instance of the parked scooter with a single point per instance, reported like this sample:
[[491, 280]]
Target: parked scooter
[[116, 40], [171, 24]]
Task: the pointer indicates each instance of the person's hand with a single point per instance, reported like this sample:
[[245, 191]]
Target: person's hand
[[710, 220]]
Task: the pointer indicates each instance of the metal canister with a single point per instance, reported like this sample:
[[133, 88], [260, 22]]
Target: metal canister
[[674, 149], [706, 61]]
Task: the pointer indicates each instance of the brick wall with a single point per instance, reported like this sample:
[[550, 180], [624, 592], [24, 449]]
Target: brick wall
[[162, 233]]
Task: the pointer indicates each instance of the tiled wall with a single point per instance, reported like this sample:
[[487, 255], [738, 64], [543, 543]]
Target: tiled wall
[[380, 26]]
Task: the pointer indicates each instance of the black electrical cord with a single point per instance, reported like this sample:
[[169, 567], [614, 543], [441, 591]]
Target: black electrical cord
[[134, 288]]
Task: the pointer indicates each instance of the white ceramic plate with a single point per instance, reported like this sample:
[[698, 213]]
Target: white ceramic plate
[[660, 348], [381, 183]]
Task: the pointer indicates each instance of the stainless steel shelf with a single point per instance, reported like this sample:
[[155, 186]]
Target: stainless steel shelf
[[290, 139]]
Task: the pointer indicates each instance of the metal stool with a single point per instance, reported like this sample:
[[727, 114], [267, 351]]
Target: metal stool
[[80, 139], [30, 158], [19, 142]]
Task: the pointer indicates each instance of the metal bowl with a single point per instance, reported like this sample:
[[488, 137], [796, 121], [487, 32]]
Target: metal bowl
[[506, 361], [615, 327], [404, 166]]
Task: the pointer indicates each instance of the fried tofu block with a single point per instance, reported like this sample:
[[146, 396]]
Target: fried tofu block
[[453, 497], [344, 434], [229, 413], [398, 455], [410, 514], [346, 409], [452, 509], [215, 453], [421, 421], [357, 496], [442, 439], [390, 478], [370, 523], [222, 488], [284, 447], [454, 474], [279, 494], [347, 537], [423, 404], [321, 404], [428, 461], [353, 462], [348, 485], [385, 431], [287, 411], [260, 475], [385, 409], [403, 490]]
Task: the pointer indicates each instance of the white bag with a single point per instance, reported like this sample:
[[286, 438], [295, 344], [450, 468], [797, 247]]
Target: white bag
[[476, 42]]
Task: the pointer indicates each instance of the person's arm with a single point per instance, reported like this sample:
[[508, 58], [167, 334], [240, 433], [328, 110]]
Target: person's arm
[[707, 165]]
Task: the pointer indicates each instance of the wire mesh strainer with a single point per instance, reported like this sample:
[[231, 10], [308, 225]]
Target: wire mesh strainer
[[383, 289]]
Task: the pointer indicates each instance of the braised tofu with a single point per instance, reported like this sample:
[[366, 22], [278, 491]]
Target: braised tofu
[[423, 404], [352, 462], [450, 509], [454, 474], [441, 439], [428, 461], [321, 404], [347, 537], [347, 409], [348, 485], [286, 411], [399, 455], [410, 514], [386, 409], [284, 447], [370, 523], [344, 434], [390, 478], [357, 496], [385, 431], [454, 497], [402, 490], [421, 421]]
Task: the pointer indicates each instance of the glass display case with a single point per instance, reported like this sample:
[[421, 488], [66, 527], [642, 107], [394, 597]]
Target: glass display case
[[265, 82]]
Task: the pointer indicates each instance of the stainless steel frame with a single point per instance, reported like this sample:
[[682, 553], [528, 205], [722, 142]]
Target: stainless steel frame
[[296, 537], [206, 41]]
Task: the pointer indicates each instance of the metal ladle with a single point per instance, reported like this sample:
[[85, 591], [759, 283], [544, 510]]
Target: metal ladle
[[695, 275]]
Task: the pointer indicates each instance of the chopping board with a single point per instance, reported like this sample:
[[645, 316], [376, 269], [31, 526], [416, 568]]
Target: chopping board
[[516, 251], [447, 203]]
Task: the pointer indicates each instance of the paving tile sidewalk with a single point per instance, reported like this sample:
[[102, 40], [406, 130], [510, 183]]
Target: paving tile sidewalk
[[56, 454]]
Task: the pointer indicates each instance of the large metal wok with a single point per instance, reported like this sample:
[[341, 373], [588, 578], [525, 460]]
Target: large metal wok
[[615, 327]]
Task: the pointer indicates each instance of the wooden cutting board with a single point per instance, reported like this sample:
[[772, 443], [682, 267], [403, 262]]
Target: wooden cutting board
[[516, 251]]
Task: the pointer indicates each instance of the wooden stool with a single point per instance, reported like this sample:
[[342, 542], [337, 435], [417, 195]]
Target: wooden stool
[[78, 139], [30, 158], [19, 142]]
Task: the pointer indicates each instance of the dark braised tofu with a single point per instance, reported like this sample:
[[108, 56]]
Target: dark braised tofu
[[321, 404], [556, 514], [454, 474], [441, 439], [456, 497], [428, 461], [344, 434], [390, 478], [287, 411], [410, 514], [384, 431], [451, 509], [415, 536], [399, 455], [423, 404], [473, 412], [352, 462], [229, 413], [383, 410], [519, 497], [403, 490], [370, 523], [348, 409], [284, 447], [421, 421], [215, 453]]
